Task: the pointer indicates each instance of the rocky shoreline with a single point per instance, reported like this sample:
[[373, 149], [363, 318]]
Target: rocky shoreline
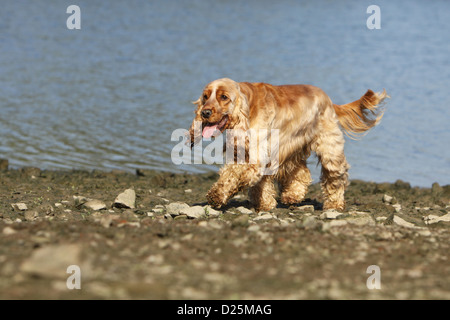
[[152, 235]]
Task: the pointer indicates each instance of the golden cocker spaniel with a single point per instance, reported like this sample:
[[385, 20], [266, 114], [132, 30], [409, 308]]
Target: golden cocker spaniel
[[307, 121]]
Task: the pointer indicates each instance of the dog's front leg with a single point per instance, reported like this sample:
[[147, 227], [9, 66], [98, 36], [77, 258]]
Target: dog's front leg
[[233, 178]]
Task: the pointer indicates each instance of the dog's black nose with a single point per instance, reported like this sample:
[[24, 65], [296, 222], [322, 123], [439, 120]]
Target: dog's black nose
[[206, 113]]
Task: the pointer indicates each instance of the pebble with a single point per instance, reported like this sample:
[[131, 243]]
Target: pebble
[[106, 221], [334, 223], [194, 212], [305, 208], [311, 222], [264, 216], [174, 208], [253, 228], [212, 212], [52, 261], [8, 231], [126, 199], [244, 210], [430, 219], [330, 214], [361, 220], [240, 221], [4, 163], [19, 206], [30, 215], [388, 199], [78, 200], [95, 205], [403, 223]]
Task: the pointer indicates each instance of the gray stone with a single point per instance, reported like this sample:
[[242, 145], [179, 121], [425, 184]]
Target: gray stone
[[430, 219], [194, 212], [244, 210], [95, 205], [52, 261], [8, 231], [333, 223], [240, 221], [106, 221], [212, 212], [175, 208], [20, 206], [31, 215], [361, 220], [330, 214], [388, 199], [264, 216], [126, 199], [305, 208], [404, 223]]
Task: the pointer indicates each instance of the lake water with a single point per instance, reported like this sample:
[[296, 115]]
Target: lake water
[[109, 95]]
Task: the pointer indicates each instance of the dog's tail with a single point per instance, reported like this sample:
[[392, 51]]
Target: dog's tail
[[357, 117]]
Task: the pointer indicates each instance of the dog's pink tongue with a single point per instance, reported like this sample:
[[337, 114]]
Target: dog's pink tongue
[[208, 131]]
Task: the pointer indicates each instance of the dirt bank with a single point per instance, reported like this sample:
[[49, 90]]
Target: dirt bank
[[172, 246]]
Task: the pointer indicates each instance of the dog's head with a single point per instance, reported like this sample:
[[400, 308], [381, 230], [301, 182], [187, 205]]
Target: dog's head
[[221, 106]]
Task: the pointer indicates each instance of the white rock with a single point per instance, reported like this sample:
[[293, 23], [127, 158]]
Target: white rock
[[330, 214], [212, 212], [403, 223], [8, 231], [174, 208], [19, 206], [194, 212], [387, 199], [305, 208], [52, 261], [30, 215], [106, 221], [361, 220], [334, 223], [80, 200], [397, 207], [253, 228], [126, 199], [188, 191], [95, 205], [244, 210], [265, 216], [430, 219]]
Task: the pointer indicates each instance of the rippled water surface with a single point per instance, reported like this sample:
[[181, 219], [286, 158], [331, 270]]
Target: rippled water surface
[[109, 95]]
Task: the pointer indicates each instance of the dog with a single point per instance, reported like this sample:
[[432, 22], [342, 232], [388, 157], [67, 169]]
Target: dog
[[307, 121]]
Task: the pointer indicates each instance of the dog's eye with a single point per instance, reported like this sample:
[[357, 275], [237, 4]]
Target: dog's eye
[[223, 97], [205, 97]]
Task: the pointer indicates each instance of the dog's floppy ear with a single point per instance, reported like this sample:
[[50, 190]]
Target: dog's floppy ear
[[198, 102], [195, 135], [241, 111]]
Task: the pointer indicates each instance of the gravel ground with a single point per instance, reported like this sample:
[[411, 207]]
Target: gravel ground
[[151, 235]]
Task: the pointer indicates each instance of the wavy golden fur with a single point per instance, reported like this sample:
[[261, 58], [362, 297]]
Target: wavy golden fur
[[307, 121]]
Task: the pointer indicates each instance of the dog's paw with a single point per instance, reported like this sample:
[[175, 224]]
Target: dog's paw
[[216, 198], [266, 204], [337, 205]]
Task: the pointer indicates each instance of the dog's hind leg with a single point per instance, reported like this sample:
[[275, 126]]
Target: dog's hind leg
[[329, 148]]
